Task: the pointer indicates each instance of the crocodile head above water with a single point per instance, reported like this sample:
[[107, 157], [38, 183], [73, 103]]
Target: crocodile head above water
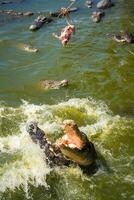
[[129, 38], [124, 37], [51, 84], [75, 145]]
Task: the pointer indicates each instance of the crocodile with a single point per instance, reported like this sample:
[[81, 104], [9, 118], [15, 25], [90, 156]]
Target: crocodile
[[97, 15], [39, 21], [53, 155], [72, 147], [51, 84], [103, 4], [126, 37], [75, 145]]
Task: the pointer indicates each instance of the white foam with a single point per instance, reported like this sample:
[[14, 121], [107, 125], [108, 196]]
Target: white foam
[[129, 179], [31, 166], [45, 114]]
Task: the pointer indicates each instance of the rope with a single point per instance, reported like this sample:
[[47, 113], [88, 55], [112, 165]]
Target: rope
[[67, 13], [131, 52]]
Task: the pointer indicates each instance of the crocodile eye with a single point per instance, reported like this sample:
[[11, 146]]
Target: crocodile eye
[[31, 127]]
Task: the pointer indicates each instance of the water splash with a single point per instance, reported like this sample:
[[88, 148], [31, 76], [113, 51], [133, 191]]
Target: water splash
[[95, 116], [29, 166]]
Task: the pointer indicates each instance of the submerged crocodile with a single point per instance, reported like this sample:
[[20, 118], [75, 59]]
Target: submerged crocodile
[[88, 3], [97, 16], [103, 4], [39, 21], [17, 14], [74, 146], [51, 84], [124, 37], [10, 2]]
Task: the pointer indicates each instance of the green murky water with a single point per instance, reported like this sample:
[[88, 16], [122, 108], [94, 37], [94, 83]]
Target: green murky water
[[99, 98]]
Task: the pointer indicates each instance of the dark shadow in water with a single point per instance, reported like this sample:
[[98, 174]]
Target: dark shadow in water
[[99, 164], [90, 170], [127, 112], [10, 2]]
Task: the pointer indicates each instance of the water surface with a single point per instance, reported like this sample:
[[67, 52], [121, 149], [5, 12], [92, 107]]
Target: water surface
[[99, 98]]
